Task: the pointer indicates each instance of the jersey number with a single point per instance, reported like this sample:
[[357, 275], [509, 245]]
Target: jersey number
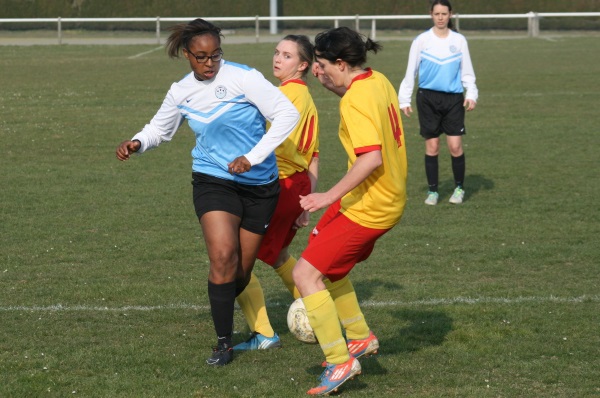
[[307, 137], [395, 122]]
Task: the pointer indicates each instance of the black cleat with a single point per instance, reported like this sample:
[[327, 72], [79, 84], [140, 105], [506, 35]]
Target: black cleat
[[221, 355]]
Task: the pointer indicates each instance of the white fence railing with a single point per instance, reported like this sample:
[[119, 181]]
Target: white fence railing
[[533, 20]]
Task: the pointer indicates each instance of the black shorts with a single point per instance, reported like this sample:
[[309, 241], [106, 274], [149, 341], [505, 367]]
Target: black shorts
[[254, 204], [440, 113]]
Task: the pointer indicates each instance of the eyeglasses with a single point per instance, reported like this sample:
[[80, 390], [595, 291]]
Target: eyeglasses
[[201, 59]]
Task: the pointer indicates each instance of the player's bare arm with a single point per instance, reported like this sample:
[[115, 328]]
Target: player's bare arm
[[364, 165]]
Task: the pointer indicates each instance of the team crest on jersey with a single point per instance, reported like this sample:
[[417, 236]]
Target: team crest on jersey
[[220, 92], [453, 49]]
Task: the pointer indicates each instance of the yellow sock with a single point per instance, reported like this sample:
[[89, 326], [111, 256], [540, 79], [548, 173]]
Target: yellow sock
[[285, 273], [252, 302], [324, 321], [346, 304]]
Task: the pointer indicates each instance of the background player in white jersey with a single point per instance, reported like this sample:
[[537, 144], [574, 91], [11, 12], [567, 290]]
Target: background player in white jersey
[[234, 171], [441, 58]]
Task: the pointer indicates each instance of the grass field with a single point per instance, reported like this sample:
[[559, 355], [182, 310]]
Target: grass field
[[103, 270]]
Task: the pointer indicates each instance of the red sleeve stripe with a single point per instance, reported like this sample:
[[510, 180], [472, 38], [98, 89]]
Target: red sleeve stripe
[[365, 149]]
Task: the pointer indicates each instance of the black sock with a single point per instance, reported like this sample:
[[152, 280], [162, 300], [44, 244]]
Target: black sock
[[431, 171], [240, 284], [222, 301], [458, 169]]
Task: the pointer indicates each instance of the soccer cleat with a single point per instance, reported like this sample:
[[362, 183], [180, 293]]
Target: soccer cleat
[[363, 347], [221, 355], [259, 341], [432, 198], [457, 196], [335, 375]]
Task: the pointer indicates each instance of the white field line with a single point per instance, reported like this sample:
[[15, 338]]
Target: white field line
[[368, 303], [546, 94], [145, 53]]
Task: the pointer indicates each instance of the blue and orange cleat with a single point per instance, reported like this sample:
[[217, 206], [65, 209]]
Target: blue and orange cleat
[[335, 375], [363, 347], [259, 341]]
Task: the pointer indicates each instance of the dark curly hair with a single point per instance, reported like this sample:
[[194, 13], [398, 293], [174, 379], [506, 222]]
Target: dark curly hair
[[182, 34]]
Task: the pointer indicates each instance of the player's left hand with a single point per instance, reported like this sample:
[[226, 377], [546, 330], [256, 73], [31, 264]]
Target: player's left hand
[[315, 201], [239, 165], [469, 104]]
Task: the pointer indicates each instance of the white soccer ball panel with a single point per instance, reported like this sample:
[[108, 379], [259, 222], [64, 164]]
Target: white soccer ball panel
[[297, 321]]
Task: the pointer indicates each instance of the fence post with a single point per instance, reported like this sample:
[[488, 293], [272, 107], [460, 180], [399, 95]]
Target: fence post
[[158, 30], [373, 29], [273, 22], [59, 30], [533, 24], [257, 28], [357, 23], [457, 22], [336, 23]]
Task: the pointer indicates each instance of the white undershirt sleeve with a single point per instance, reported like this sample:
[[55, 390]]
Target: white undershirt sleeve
[[276, 108], [408, 83], [162, 127], [468, 75]]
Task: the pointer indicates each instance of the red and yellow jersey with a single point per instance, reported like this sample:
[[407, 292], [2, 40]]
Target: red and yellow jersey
[[297, 151], [370, 120]]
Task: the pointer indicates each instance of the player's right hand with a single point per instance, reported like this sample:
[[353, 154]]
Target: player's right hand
[[126, 148]]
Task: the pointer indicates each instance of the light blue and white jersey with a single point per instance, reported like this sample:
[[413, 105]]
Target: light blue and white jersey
[[443, 64], [228, 116]]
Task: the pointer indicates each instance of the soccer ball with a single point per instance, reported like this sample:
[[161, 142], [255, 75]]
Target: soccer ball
[[297, 321]]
